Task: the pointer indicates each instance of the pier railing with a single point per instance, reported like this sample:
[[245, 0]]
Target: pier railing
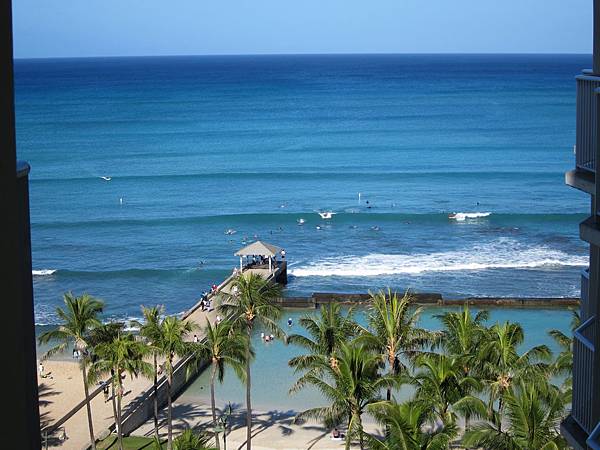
[[584, 383], [586, 135]]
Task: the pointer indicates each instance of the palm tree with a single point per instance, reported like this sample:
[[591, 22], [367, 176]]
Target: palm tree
[[463, 333], [350, 385], [223, 345], [533, 417], [170, 341], [503, 365], [326, 332], [441, 383], [406, 427], [461, 338], [188, 440], [393, 331], [150, 331], [563, 364], [252, 305], [124, 354], [78, 318], [105, 333]]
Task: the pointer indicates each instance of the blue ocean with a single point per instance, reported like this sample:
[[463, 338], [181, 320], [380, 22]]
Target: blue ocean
[[141, 165]]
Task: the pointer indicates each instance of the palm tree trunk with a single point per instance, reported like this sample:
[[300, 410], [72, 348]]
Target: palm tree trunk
[[500, 414], [113, 397], [114, 400], [119, 429], [361, 438], [155, 399], [392, 371], [88, 406], [212, 402], [170, 413], [248, 393]]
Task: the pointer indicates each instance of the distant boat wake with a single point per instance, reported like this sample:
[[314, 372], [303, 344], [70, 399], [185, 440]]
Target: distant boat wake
[[43, 272], [499, 254], [460, 216]]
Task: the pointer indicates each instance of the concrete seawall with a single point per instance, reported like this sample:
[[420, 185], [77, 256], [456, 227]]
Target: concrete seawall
[[141, 409], [425, 298]]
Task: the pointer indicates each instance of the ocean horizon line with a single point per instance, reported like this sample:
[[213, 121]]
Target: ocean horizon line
[[284, 54]]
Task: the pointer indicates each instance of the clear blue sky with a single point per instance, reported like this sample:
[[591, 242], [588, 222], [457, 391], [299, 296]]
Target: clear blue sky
[[50, 28]]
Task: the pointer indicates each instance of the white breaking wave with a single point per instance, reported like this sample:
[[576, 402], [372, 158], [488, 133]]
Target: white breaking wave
[[500, 254], [463, 216], [42, 272]]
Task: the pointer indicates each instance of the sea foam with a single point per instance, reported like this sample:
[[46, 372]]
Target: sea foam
[[499, 254]]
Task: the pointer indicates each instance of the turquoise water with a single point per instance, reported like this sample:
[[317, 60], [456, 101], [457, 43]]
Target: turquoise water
[[198, 145], [272, 377]]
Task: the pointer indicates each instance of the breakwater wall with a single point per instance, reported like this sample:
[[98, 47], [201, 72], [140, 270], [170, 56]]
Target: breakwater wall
[[141, 409], [428, 298]]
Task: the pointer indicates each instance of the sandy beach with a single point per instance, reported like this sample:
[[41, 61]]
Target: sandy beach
[[272, 430], [62, 390]]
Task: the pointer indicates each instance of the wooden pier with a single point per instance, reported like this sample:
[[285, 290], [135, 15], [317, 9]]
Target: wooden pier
[[261, 258]]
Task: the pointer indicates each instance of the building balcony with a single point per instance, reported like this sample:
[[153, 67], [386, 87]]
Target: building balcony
[[593, 441], [584, 303], [585, 142], [586, 389], [581, 428]]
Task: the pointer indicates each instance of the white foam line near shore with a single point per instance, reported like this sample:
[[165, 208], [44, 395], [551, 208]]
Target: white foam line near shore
[[500, 254]]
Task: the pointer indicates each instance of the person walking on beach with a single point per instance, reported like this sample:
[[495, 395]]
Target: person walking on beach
[[105, 391], [42, 371]]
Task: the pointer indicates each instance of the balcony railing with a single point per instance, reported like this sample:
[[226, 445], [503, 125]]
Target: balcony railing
[[583, 375], [585, 151], [584, 296], [593, 441]]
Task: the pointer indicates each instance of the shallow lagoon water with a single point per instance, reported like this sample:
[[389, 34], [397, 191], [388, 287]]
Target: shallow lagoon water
[[272, 378]]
